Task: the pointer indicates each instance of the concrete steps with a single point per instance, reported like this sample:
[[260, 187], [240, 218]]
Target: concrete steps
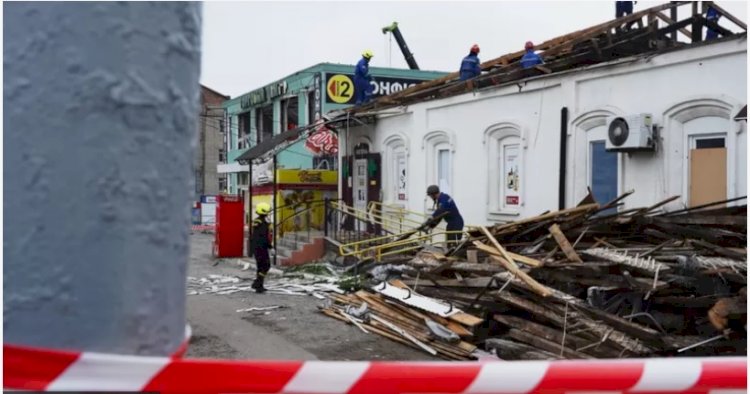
[[299, 248]]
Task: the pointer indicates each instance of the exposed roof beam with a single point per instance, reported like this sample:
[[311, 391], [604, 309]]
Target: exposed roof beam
[[728, 15]]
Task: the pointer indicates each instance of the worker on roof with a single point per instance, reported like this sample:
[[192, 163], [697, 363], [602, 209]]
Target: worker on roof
[[530, 58], [362, 78], [712, 15], [445, 208], [623, 8], [470, 65], [261, 245]]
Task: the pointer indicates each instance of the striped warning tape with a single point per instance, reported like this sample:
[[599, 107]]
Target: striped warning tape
[[35, 369]]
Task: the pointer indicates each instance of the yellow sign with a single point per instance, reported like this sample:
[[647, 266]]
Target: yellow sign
[[314, 177], [340, 88]]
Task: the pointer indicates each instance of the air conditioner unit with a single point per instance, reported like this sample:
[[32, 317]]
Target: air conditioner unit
[[630, 132]]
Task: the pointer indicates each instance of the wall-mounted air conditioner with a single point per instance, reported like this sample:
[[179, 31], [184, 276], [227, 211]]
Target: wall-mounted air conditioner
[[630, 132]]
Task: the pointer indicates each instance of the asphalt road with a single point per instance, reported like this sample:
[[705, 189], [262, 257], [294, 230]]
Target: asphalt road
[[297, 331]]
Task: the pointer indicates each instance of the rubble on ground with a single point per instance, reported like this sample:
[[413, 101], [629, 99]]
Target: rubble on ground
[[585, 282], [311, 280]]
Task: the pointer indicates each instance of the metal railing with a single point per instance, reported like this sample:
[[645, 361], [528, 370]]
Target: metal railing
[[345, 224], [401, 219], [377, 248], [369, 234]]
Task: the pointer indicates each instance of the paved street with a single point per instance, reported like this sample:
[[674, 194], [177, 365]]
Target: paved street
[[297, 331]]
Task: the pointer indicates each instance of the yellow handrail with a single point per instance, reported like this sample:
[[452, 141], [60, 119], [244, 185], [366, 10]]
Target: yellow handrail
[[410, 243], [399, 209], [386, 222]]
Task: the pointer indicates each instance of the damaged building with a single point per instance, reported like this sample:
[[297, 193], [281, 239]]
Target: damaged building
[[604, 194], [639, 103]]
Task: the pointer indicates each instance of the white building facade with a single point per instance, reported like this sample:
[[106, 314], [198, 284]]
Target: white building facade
[[498, 153]]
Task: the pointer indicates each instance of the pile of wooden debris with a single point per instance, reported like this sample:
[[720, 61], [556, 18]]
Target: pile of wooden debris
[[585, 282], [394, 311]]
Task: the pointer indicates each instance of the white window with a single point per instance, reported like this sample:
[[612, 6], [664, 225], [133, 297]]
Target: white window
[[396, 166], [444, 169], [505, 170], [401, 176], [510, 175], [439, 149]]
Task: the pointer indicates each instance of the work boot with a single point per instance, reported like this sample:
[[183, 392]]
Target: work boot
[[258, 285]]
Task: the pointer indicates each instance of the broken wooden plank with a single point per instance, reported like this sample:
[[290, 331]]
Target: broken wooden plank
[[554, 335], [511, 266], [405, 334], [511, 350], [545, 344], [516, 257], [564, 244]]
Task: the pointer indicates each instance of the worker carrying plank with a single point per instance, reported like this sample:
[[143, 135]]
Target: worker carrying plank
[[446, 207], [530, 58], [261, 244], [470, 64], [362, 78]]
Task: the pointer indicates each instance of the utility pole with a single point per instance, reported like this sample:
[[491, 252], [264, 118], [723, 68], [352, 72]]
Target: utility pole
[[98, 188]]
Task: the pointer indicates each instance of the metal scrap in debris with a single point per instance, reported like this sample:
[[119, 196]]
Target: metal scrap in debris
[[260, 308], [409, 297]]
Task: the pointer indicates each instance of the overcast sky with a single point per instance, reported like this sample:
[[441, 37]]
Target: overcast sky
[[247, 45]]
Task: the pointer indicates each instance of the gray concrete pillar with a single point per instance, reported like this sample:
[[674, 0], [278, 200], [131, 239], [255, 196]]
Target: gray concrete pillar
[[100, 123]]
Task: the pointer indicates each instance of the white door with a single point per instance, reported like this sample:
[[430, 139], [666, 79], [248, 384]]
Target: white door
[[360, 189]]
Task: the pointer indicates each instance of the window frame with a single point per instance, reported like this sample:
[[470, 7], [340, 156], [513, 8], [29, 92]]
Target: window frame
[[497, 138]]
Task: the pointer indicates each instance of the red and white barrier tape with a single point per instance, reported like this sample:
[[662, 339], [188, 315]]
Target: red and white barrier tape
[[35, 369]]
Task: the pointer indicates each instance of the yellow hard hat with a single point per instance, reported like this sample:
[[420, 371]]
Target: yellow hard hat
[[367, 53], [263, 208]]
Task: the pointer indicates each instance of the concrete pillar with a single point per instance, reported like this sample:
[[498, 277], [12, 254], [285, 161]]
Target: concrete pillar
[[101, 102]]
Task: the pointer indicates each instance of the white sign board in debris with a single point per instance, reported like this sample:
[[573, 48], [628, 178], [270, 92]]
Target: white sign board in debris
[[411, 298]]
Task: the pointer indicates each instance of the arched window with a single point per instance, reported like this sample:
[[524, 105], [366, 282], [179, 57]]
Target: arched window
[[505, 168], [590, 164], [396, 169], [439, 147], [701, 148]]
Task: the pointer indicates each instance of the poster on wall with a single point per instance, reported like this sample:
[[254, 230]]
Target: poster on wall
[[263, 172], [401, 178], [512, 175]]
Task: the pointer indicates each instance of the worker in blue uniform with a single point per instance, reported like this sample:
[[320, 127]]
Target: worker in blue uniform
[[712, 15], [362, 78], [623, 8], [470, 65], [530, 58], [446, 208]]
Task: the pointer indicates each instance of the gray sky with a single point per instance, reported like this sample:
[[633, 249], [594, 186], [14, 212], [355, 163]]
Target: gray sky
[[249, 44]]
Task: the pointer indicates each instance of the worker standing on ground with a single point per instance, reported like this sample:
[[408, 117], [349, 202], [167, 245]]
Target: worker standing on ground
[[530, 58], [261, 244], [470, 65], [444, 204], [362, 78], [712, 15]]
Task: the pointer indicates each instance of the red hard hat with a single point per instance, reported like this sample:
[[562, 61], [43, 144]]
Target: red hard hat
[[529, 45], [475, 48]]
